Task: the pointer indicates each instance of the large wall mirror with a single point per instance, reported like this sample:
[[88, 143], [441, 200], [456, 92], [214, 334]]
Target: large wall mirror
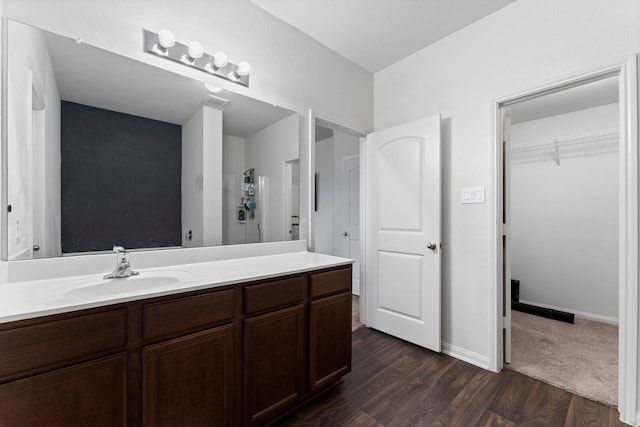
[[103, 150]]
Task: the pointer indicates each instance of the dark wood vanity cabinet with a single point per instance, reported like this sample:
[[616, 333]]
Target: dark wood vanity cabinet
[[329, 339], [329, 327], [66, 370], [188, 375], [85, 394], [227, 356], [188, 381], [273, 363], [274, 331]]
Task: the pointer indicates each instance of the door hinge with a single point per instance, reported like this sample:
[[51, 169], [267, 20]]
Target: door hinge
[[504, 229], [505, 322]]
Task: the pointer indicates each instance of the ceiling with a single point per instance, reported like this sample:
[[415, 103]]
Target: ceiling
[[594, 94], [376, 33]]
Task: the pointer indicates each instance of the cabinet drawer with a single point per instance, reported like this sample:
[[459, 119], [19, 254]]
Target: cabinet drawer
[[49, 344], [330, 282], [273, 294], [183, 314]]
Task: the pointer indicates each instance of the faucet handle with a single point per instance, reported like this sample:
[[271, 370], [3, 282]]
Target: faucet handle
[[118, 249]]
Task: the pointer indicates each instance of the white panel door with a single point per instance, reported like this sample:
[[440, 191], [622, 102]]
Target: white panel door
[[348, 218], [402, 260]]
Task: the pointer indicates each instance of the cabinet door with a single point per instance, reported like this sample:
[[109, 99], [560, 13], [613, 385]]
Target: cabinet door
[[273, 361], [87, 394], [329, 339], [188, 380]]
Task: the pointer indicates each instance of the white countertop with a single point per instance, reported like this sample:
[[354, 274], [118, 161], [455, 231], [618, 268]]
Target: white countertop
[[23, 300]]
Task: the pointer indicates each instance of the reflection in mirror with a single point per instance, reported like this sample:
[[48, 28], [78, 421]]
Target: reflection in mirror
[[105, 150]]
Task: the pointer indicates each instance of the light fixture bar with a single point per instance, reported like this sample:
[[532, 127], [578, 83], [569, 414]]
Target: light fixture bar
[[179, 52]]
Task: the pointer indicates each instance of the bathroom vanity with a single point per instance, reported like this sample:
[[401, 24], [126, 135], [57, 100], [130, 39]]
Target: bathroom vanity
[[217, 329], [202, 352]]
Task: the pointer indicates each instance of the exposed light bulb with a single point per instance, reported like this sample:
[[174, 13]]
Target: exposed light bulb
[[220, 60], [166, 39], [195, 50], [243, 69]]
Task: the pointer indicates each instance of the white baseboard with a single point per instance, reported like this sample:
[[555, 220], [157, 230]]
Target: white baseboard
[[579, 314], [466, 355]]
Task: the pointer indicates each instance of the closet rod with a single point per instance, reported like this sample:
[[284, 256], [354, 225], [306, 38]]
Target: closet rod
[[607, 135]]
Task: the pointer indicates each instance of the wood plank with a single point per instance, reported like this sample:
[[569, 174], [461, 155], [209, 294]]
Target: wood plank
[[362, 419], [397, 383], [426, 406], [386, 408], [470, 405], [546, 405], [352, 398], [586, 413], [491, 419], [510, 401]]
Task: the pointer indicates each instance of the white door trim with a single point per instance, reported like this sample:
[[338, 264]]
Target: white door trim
[[628, 246]]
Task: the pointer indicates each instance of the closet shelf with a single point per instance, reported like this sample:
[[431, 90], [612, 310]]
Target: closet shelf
[[589, 142]]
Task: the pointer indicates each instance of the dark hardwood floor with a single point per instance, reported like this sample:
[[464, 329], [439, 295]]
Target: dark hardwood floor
[[394, 383]]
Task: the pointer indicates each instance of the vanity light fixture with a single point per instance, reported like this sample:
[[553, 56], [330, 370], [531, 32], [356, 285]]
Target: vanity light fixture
[[164, 44]]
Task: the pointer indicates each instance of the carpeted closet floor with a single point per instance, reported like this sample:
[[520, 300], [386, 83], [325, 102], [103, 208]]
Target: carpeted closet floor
[[581, 358]]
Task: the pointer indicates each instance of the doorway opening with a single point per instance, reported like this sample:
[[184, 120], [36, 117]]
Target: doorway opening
[[336, 202], [546, 168], [563, 175]]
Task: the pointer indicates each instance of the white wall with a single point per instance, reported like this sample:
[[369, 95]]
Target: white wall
[[323, 80], [212, 168], [323, 216], [267, 151], [516, 48], [202, 178], [564, 219], [192, 179], [233, 232]]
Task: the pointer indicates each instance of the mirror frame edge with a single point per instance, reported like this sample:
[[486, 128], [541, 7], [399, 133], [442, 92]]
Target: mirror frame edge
[[3, 144]]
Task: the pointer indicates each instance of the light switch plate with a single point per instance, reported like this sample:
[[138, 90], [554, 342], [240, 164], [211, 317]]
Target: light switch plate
[[472, 195]]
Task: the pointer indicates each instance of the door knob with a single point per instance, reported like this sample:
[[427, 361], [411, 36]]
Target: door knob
[[36, 248], [431, 245], [344, 233]]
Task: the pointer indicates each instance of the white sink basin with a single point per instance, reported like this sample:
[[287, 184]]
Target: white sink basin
[[144, 282]]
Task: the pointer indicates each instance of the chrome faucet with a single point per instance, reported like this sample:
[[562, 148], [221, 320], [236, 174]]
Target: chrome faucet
[[123, 268]]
